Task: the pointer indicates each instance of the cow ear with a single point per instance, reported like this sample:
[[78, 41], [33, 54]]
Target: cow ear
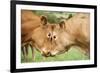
[[62, 24], [43, 20]]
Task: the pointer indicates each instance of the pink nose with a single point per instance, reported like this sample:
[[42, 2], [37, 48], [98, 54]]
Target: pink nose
[[45, 52]]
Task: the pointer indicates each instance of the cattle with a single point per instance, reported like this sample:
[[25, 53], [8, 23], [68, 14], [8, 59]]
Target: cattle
[[53, 39], [72, 32], [29, 22]]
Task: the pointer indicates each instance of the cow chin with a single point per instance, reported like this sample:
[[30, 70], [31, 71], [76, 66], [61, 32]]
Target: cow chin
[[59, 51], [54, 53]]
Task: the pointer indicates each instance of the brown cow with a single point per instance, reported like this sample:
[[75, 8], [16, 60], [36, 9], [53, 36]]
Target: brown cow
[[42, 39], [29, 22], [53, 39], [78, 27], [72, 32]]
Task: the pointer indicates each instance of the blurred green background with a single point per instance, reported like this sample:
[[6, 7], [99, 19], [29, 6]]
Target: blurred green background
[[72, 54], [55, 16]]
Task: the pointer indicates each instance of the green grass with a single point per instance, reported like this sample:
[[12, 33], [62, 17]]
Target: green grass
[[72, 54]]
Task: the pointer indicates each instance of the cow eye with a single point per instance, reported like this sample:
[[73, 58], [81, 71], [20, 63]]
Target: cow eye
[[49, 34], [54, 37]]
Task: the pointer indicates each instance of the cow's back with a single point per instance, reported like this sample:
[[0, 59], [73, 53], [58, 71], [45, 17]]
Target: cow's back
[[79, 26]]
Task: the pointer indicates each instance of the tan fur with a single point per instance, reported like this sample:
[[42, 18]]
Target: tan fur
[[79, 27], [74, 31], [29, 21], [41, 40], [53, 39]]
